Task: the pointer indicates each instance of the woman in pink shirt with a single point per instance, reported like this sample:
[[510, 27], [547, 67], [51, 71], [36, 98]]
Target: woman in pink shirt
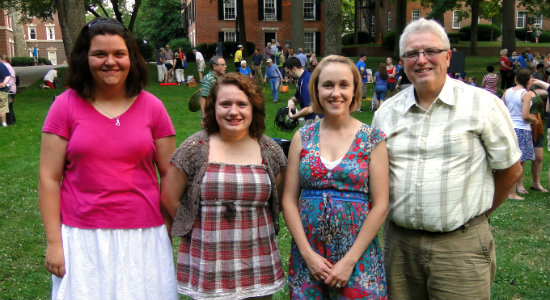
[[103, 141]]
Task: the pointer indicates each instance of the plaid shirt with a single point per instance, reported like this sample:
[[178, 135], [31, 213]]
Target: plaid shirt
[[442, 159]]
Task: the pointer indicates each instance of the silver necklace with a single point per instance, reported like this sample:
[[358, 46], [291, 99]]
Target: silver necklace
[[117, 123]]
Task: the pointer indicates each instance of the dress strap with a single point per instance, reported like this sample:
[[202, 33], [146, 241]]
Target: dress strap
[[313, 194]]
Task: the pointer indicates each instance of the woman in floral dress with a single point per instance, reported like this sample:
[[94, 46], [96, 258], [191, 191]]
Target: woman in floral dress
[[339, 167]]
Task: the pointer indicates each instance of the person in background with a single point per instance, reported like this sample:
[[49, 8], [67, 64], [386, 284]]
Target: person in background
[[362, 68], [312, 60], [403, 81], [506, 70], [302, 57], [222, 193], [518, 102], [336, 193], [49, 78], [294, 69], [169, 63], [279, 60], [178, 68], [490, 80], [267, 52], [538, 88], [244, 69], [201, 64], [218, 69], [440, 198], [257, 61], [4, 93], [272, 72], [274, 47], [161, 68], [103, 142], [381, 83], [10, 117], [472, 81], [392, 71], [238, 57], [35, 55]]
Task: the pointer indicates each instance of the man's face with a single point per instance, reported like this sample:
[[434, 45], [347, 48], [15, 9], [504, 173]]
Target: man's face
[[219, 67], [291, 72], [426, 71]]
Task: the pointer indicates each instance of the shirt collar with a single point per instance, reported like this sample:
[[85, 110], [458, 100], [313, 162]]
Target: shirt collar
[[447, 95]]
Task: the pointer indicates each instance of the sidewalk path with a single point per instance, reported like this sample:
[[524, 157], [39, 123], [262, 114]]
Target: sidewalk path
[[29, 75]]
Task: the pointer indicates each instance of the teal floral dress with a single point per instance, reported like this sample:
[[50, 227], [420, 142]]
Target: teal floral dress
[[334, 204]]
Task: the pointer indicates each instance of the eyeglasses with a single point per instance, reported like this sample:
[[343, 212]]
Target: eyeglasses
[[223, 65], [428, 53]]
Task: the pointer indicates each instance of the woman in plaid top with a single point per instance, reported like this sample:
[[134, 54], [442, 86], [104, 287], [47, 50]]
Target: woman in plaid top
[[222, 192]]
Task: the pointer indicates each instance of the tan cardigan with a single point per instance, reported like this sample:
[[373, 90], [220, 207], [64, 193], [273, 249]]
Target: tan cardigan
[[191, 157]]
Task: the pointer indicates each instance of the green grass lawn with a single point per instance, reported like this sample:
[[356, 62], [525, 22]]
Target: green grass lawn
[[521, 228]]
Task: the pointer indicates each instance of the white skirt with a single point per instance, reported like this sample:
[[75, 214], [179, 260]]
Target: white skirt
[[116, 264]]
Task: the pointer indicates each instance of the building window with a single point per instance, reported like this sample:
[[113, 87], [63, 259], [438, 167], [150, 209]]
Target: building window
[[32, 33], [389, 20], [309, 41], [229, 36], [229, 9], [456, 19], [309, 9], [270, 10], [415, 14], [538, 21], [50, 32], [520, 23]]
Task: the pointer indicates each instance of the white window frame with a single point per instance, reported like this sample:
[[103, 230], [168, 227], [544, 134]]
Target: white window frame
[[415, 14], [50, 32], [270, 10], [538, 21], [521, 19], [309, 41], [229, 9], [309, 10], [30, 30], [389, 20], [456, 19], [229, 36]]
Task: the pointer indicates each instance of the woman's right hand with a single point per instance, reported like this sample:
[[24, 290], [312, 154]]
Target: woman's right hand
[[319, 266], [55, 260]]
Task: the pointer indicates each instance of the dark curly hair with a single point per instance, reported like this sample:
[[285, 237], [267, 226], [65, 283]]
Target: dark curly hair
[[251, 90], [79, 77]]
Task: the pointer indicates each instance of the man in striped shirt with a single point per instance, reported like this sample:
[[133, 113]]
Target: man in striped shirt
[[453, 157]]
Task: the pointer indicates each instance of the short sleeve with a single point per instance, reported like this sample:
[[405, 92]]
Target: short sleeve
[[57, 121], [162, 124], [498, 136]]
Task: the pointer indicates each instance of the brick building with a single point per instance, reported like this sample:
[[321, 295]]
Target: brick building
[[214, 21], [378, 17], [45, 35]]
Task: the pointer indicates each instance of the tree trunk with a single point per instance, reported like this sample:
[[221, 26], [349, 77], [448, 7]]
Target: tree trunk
[[473, 31], [297, 23], [241, 28], [508, 25], [71, 19], [20, 46], [333, 27], [137, 4], [356, 21], [401, 22]]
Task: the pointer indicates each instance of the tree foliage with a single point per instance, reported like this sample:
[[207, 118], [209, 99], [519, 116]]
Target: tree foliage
[[160, 21]]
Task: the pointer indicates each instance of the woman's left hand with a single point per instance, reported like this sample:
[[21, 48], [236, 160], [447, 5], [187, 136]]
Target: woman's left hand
[[340, 273]]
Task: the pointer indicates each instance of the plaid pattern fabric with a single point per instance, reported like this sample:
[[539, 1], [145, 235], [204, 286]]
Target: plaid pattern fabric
[[232, 251], [442, 158]]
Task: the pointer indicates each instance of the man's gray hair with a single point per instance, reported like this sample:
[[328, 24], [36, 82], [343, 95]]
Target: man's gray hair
[[423, 25], [214, 60]]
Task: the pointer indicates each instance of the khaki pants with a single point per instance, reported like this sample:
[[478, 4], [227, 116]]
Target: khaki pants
[[258, 74], [452, 265], [4, 103]]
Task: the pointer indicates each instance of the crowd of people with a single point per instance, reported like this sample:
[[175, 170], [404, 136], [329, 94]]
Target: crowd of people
[[430, 176]]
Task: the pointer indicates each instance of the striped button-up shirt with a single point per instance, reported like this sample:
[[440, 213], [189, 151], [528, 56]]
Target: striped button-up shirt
[[442, 159]]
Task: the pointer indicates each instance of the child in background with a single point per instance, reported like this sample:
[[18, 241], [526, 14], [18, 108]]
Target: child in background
[[490, 80], [472, 80]]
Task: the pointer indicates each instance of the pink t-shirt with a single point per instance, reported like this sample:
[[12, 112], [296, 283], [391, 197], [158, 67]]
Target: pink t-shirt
[[110, 178]]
